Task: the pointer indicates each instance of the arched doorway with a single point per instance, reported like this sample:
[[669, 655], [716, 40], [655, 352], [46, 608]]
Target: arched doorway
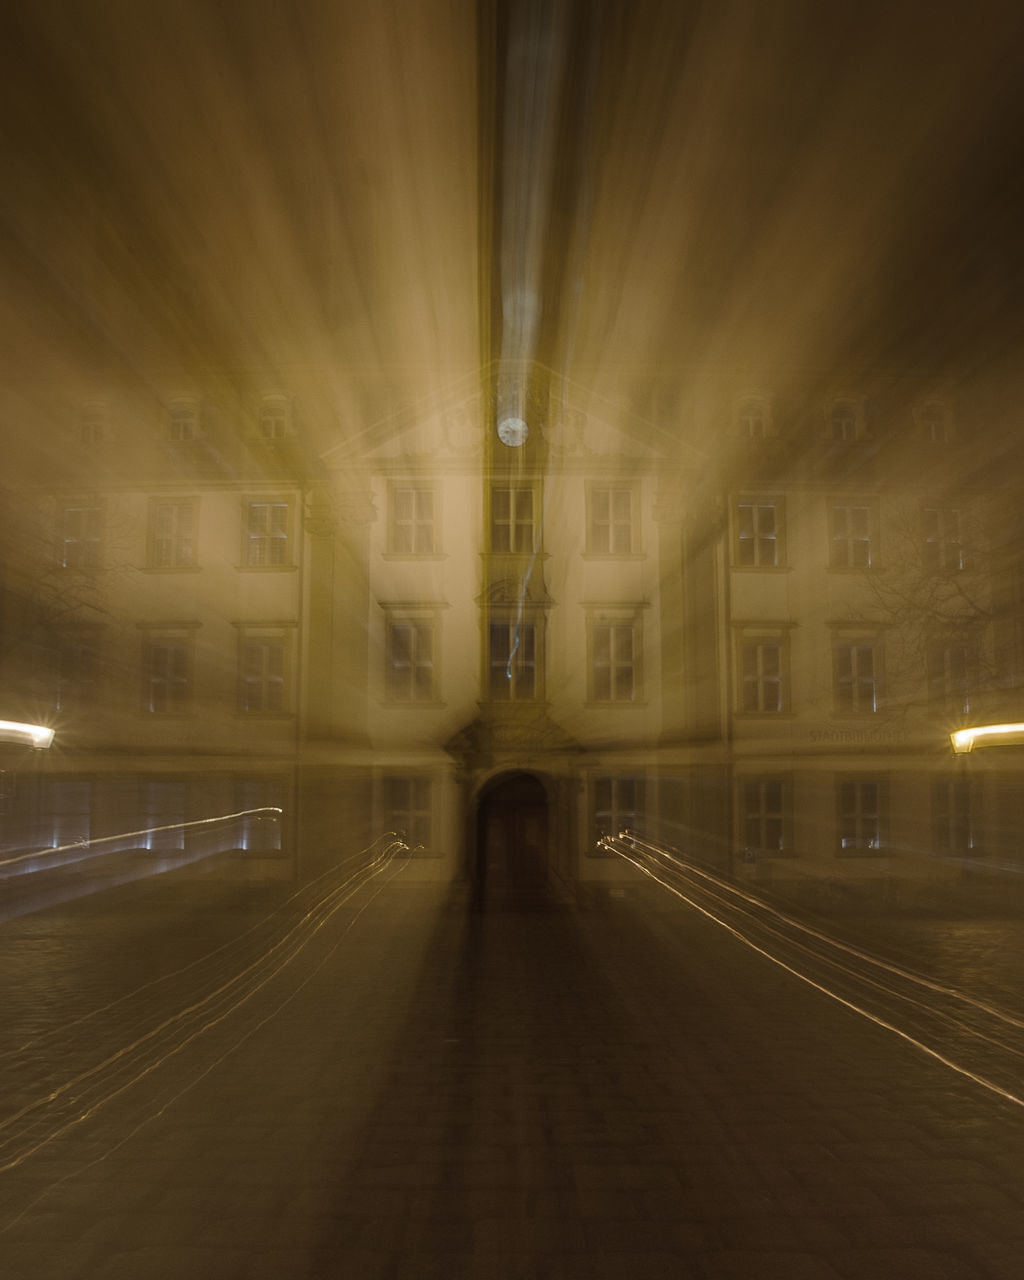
[[512, 836]]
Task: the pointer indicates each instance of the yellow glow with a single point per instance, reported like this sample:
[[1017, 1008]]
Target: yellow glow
[[963, 740], [34, 735]]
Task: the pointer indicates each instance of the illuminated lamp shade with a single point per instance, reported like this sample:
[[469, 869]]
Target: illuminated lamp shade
[[513, 432], [27, 735], [965, 740]]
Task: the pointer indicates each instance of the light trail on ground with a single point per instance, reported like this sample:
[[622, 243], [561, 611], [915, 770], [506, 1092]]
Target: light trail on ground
[[226, 984], [769, 932]]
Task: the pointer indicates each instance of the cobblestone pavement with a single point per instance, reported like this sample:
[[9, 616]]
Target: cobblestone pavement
[[531, 1089]]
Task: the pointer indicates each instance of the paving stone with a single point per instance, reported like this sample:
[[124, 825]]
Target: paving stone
[[527, 1096]]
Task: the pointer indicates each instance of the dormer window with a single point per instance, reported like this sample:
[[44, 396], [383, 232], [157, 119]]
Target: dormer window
[[842, 421], [275, 418], [94, 424], [752, 418], [183, 420], [934, 420]]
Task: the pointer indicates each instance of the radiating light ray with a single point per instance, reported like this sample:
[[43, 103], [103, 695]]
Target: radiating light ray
[[264, 970], [983, 1081]]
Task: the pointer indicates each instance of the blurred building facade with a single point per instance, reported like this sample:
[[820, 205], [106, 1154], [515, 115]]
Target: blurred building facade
[[738, 614]]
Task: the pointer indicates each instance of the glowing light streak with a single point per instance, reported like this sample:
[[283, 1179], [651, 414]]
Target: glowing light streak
[[263, 970], [853, 974], [964, 740], [80, 846], [793, 923], [984, 1082], [31, 735], [191, 1084]]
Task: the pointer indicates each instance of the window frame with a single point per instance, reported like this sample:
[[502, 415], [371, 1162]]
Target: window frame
[[758, 637], [596, 490], [849, 539], [183, 640], [616, 620], [753, 417], [866, 812], [417, 488], [620, 796], [513, 523], [428, 620], [935, 421], [413, 819], [756, 537], [250, 536], [94, 540], [156, 505], [269, 638], [78, 665], [943, 540], [531, 623], [949, 691], [275, 410], [183, 423], [847, 412], [952, 816], [856, 643], [763, 813]]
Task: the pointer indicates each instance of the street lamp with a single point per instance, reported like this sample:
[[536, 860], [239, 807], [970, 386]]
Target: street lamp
[[964, 740], [27, 735]]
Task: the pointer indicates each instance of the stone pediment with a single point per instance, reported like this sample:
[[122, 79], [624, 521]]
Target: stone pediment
[[448, 426], [522, 736]]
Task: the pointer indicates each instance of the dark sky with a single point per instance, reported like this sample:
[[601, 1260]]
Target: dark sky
[[771, 182]]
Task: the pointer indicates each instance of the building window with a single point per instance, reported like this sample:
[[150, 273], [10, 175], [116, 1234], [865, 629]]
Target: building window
[[948, 670], [615, 660], [752, 418], [843, 421], [167, 667], [512, 519], [852, 535], [512, 661], [411, 670], [262, 672], [171, 539], [857, 676], [935, 422], [943, 547], [611, 527], [274, 421], [618, 806], [78, 668], [94, 424], [408, 810], [258, 832], [183, 421], [412, 528], [81, 536], [163, 810], [759, 533], [66, 813], [762, 662], [761, 803], [860, 816], [952, 828], [267, 534]]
